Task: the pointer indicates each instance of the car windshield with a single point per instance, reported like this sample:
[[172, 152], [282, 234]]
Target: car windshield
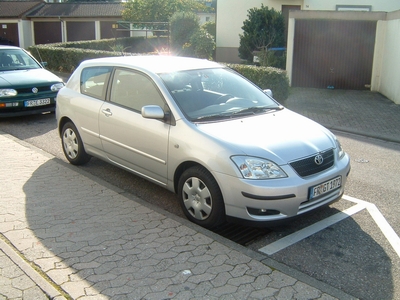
[[16, 59], [215, 94]]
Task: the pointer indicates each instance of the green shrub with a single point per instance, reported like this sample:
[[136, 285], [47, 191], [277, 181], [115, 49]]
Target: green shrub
[[266, 78], [211, 28], [203, 44], [264, 28]]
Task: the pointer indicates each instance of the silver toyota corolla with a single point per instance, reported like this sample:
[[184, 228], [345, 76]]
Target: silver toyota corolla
[[199, 129]]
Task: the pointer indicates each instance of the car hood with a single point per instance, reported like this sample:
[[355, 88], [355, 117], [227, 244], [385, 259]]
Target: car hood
[[27, 77], [282, 136]]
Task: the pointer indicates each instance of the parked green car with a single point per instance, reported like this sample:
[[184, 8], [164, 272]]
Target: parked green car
[[25, 86]]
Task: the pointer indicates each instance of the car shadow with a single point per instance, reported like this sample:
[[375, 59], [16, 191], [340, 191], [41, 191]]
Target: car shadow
[[30, 126], [93, 235], [345, 255]]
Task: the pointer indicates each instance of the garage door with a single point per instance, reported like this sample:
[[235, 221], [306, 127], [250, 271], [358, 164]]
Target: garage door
[[333, 54], [47, 32], [9, 32]]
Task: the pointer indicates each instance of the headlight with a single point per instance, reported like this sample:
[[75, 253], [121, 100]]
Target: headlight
[[258, 168], [57, 86], [339, 149], [8, 92]]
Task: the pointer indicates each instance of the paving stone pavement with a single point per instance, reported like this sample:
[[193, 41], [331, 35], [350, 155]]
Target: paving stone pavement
[[67, 235], [361, 112], [76, 237]]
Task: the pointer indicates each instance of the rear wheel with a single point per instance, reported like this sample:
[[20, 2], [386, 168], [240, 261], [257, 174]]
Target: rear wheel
[[201, 198], [72, 145]]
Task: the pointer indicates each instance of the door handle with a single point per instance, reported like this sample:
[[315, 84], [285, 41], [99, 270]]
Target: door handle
[[107, 112]]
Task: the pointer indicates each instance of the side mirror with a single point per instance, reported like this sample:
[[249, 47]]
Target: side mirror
[[44, 64], [153, 112], [269, 92]]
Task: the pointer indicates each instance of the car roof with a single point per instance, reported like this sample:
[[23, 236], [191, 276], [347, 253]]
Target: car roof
[[8, 47], [154, 63]]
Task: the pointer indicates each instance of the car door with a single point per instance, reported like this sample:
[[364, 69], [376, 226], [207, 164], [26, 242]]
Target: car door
[[86, 105], [128, 139]]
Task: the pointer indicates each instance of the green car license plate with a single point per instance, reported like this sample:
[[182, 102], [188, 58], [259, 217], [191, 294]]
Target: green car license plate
[[39, 102], [325, 187]]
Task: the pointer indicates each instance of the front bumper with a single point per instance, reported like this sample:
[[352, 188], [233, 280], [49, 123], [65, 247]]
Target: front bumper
[[16, 108], [279, 199]]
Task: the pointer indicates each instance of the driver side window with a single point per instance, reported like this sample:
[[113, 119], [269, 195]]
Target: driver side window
[[134, 90]]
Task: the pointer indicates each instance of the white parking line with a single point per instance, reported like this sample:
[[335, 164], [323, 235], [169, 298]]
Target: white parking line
[[310, 230], [295, 237], [380, 220]]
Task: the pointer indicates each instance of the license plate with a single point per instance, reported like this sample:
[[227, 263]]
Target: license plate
[[39, 102], [325, 187]]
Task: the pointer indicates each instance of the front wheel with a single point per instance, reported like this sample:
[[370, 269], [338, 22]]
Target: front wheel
[[201, 198], [73, 146]]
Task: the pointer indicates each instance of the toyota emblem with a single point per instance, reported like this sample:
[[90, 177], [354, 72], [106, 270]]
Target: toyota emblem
[[35, 90], [319, 159]]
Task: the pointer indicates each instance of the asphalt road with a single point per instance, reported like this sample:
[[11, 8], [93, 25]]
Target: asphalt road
[[353, 254]]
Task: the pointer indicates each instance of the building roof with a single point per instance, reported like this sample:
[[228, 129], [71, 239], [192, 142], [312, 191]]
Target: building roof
[[17, 9], [78, 10]]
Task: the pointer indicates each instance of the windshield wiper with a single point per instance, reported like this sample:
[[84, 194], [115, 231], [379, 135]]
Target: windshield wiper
[[256, 109], [214, 117], [244, 111]]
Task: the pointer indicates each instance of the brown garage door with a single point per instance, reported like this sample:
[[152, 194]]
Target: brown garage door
[[333, 53], [9, 32], [47, 32], [80, 31]]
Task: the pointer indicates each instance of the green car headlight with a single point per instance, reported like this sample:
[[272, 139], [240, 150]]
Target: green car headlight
[[57, 86], [8, 93]]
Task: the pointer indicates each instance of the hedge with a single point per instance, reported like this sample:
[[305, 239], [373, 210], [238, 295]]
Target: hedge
[[65, 57], [266, 78]]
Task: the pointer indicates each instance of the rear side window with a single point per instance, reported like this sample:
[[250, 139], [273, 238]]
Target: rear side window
[[94, 81]]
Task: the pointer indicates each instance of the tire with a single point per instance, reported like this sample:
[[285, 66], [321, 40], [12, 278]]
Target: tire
[[72, 145], [201, 198]]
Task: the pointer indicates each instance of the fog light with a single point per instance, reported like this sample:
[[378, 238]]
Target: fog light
[[262, 211]]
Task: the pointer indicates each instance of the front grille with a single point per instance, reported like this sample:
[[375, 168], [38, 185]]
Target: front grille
[[28, 90], [306, 167]]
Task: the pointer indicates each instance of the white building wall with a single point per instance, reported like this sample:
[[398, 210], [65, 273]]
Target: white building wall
[[24, 31], [206, 17], [385, 74], [376, 5]]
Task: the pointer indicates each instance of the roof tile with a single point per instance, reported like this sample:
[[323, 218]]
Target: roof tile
[[17, 9], [78, 10]]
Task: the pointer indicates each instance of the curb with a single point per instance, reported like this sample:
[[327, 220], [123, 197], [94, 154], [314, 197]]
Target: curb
[[47, 287]]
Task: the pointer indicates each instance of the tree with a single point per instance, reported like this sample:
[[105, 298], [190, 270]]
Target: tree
[[203, 44], [183, 26], [211, 28], [157, 10], [263, 29]]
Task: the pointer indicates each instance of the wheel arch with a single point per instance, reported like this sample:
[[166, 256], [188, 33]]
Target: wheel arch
[[180, 169], [61, 124], [184, 166]]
